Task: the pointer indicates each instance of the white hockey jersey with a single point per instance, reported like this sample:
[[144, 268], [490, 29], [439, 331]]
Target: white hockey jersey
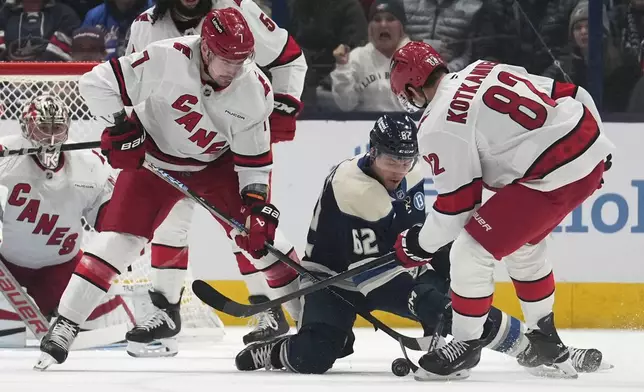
[[41, 224], [491, 125], [189, 122], [363, 83], [274, 48]]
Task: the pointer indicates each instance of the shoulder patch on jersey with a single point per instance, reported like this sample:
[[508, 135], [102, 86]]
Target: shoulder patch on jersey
[[359, 195]]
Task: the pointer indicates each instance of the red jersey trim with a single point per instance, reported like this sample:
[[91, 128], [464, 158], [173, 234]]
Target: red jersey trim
[[260, 160], [461, 200], [566, 149]]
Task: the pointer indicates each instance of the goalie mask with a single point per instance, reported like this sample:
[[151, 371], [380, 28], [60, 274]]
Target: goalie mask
[[226, 44], [45, 121]]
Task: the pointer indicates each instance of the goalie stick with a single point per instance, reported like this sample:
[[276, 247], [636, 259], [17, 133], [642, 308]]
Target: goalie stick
[[417, 344], [49, 149]]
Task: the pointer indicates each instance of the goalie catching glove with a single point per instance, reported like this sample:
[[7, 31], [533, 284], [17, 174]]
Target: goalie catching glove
[[282, 120], [409, 253], [123, 143], [261, 219]]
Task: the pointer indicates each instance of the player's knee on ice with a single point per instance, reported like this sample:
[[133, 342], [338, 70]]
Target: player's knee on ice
[[316, 347]]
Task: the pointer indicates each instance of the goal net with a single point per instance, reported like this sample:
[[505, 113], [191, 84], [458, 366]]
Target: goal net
[[20, 82]]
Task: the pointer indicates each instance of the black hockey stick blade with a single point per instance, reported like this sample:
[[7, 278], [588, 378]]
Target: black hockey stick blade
[[50, 149]]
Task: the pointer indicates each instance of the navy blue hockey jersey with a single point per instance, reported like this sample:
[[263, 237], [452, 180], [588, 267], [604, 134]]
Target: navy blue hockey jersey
[[356, 219]]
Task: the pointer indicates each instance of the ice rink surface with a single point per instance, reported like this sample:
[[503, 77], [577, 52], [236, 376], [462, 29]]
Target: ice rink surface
[[210, 367]]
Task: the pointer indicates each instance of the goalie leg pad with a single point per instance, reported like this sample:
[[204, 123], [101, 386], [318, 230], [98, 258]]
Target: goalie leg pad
[[13, 332]]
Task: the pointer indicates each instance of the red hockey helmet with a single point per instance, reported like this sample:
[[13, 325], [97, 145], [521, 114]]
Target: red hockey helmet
[[227, 34], [411, 65]]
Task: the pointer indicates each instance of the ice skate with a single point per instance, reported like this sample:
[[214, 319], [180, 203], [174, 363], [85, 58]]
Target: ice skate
[[258, 355], [55, 345], [268, 325], [588, 360], [452, 361], [546, 348], [156, 336]]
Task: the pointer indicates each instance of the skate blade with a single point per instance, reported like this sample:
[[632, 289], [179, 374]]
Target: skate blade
[[562, 370], [44, 362], [423, 375], [156, 349]]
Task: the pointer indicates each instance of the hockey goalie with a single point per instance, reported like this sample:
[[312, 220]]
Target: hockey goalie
[[46, 197]]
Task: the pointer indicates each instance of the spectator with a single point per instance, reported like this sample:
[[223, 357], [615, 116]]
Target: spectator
[[36, 30], [320, 27], [620, 72], [361, 77], [447, 25], [88, 44], [508, 33], [115, 18], [555, 32], [630, 25], [81, 6]]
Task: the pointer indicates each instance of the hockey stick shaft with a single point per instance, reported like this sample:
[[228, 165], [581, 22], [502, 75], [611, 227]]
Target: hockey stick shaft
[[22, 303], [409, 342], [50, 149], [240, 310]]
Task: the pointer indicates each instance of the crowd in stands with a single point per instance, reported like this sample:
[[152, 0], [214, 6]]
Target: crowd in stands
[[348, 43]]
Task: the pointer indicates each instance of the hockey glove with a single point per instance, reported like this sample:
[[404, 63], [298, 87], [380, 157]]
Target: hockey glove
[[261, 220], [408, 251], [123, 143], [282, 120]]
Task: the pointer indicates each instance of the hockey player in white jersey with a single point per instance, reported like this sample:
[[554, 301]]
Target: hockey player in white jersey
[[539, 145], [202, 115], [280, 54], [47, 195]]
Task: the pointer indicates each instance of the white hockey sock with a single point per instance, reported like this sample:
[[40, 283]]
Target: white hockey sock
[[169, 283], [79, 299], [169, 268]]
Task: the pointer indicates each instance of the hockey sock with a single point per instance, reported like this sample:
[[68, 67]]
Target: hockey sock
[[169, 268], [504, 333], [88, 285]]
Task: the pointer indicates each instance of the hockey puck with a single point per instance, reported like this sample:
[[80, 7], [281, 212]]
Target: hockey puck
[[400, 367]]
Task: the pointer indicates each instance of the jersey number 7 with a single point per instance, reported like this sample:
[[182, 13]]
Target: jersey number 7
[[528, 113]]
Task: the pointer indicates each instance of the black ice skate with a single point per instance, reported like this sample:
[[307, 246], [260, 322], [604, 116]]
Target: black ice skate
[[268, 325], [56, 343], [546, 348], [156, 336], [453, 361], [588, 360], [260, 355]]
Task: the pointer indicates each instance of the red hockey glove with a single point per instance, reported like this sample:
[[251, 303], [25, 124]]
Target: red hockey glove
[[261, 220], [282, 120], [123, 144], [408, 251]]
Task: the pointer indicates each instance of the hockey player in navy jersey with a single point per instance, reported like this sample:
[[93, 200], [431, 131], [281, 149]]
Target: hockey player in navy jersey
[[365, 203]]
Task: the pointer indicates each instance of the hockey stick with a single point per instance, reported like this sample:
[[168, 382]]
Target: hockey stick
[[418, 344], [50, 149], [217, 300]]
